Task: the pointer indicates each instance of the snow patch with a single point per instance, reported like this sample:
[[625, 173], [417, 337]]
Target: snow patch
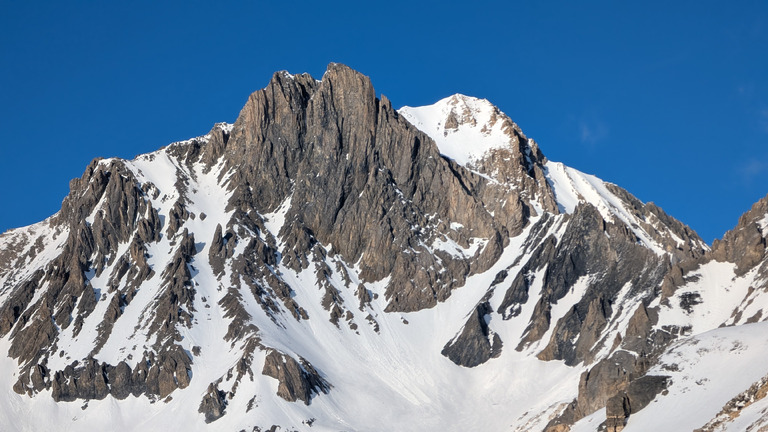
[[697, 375], [274, 221], [572, 187], [763, 224], [712, 296], [448, 245], [480, 126]]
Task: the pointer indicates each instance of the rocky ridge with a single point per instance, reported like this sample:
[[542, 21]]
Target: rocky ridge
[[326, 246]]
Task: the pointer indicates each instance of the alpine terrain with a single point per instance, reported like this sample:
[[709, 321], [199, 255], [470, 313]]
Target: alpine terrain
[[329, 263]]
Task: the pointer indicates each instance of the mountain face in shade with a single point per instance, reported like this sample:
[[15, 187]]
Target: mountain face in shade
[[330, 263]]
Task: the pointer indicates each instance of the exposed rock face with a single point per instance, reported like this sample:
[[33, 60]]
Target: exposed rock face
[[513, 161], [637, 396], [475, 344], [591, 246], [298, 379], [732, 410], [213, 404], [108, 207], [677, 239], [357, 185], [158, 376], [745, 245], [619, 381]]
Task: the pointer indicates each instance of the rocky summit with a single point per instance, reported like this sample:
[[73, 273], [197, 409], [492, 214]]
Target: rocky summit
[[330, 263]]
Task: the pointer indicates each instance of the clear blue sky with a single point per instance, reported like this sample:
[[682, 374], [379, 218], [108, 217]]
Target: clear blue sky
[[667, 99]]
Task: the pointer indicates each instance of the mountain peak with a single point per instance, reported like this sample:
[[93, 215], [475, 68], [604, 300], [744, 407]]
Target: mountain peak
[[479, 136], [465, 128], [470, 102], [320, 262]]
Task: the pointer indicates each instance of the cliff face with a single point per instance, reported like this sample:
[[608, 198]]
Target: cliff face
[[745, 244], [355, 176], [327, 259]]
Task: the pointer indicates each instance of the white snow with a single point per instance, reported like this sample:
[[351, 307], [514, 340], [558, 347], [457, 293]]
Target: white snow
[[448, 245], [763, 224], [572, 186], [225, 127], [590, 423], [719, 292], [274, 221], [47, 244], [562, 185], [711, 368], [395, 379], [560, 308], [481, 127], [752, 418]]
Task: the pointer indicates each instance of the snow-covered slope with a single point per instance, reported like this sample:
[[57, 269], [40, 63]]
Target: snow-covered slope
[[465, 128], [386, 369], [318, 265], [716, 381], [712, 294], [696, 370]]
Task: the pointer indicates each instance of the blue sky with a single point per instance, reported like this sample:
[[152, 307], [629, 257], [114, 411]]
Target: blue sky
[[669, 101]]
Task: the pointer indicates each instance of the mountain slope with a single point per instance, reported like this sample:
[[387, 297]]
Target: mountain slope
[[327, 262]]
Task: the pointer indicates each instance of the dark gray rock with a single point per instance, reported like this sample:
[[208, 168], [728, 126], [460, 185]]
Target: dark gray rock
[[88, 381], [475, 344], [13, 308], [610, 254], [745, 245], [689, 246], [298, 380], [688, 300], [214, 404], [157, 375], [637, 396], [360, 177], [175, 302], [119, 378]]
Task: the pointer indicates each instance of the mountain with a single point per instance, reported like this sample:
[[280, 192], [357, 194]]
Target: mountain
[[330, 263]]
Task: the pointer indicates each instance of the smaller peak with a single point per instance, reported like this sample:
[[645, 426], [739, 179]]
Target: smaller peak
[[223, 126], [281, 75], [466, 128], [335, 68], [471, 102], [342, 78], [341, 70], [458, 98], [462, 98]]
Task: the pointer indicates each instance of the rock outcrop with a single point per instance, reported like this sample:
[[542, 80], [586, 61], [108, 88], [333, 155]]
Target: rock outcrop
[[475, 344], [745, 245], [298, 380], [214, 404]]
